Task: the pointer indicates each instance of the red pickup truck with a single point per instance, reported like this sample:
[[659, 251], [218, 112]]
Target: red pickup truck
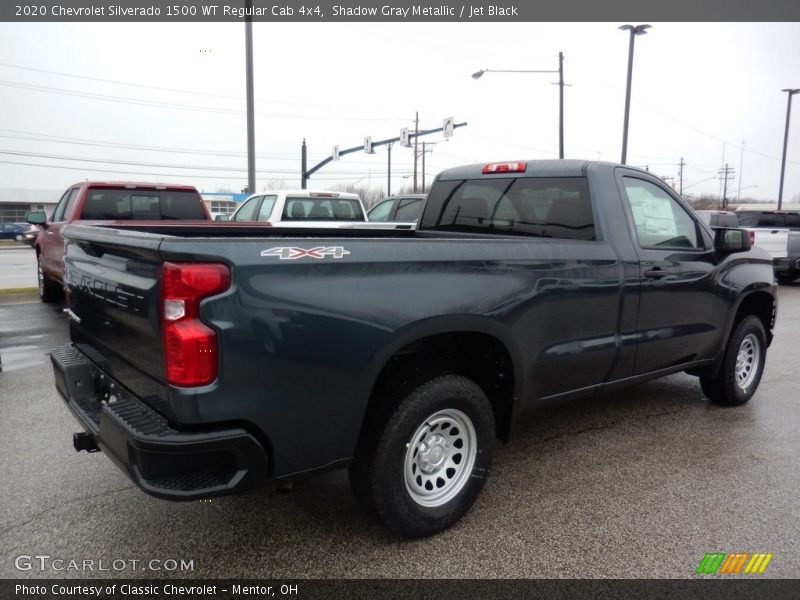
[[98, 201]]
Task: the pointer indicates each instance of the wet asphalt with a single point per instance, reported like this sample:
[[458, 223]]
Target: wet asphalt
[[639, 483]]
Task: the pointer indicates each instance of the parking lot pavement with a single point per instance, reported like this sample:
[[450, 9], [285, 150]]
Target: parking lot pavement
[[640, 483], [17, 267]]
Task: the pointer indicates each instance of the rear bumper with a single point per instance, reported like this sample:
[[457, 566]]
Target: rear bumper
[[161, 460], [787, 263]]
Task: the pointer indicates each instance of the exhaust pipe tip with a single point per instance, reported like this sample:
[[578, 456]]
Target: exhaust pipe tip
[[84, 441]]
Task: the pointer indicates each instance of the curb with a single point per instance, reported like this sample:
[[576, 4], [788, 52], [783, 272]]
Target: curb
[[19, 290]]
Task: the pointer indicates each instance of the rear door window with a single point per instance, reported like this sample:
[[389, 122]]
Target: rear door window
[[266, 207], [382, 211], [408, 210]]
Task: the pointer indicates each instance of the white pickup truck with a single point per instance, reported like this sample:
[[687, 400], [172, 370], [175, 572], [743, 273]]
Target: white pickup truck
[[301, 208], [777, 232]]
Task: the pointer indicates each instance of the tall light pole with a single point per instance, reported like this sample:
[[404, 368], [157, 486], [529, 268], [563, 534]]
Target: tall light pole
[[251, 135], [561, 84], [790, 92], [635, 30]]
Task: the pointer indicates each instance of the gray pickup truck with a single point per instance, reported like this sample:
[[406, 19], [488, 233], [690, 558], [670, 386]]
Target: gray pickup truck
[[207, 360]]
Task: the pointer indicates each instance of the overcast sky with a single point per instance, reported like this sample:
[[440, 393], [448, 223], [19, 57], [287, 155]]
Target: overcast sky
[[122, 94]]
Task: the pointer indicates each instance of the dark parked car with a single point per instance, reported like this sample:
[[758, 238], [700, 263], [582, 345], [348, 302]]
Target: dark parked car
[[13, 231], [404, 209]]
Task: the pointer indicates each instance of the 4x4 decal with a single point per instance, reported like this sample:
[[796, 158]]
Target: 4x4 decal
[[292, 253]]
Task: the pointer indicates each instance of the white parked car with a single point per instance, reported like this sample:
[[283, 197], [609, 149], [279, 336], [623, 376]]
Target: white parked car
[[301, 208]]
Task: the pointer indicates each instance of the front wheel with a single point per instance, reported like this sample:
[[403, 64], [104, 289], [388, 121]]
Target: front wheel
[[742, 365], [425, 454], [787, 276], [49, 291]]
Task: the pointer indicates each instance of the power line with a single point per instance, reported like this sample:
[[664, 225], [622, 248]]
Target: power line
[[159, 88], [180, 106]]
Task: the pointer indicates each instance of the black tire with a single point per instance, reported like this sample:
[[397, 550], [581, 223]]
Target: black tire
[[786, 276], [435, 426], [742, 365], [49, 290]]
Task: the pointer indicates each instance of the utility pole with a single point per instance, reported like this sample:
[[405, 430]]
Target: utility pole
[[423, 167], [560, 105], [741, 160], [388, 170], [303, 163], [680, 175], [790, 93], [416, 137], [726, 173]]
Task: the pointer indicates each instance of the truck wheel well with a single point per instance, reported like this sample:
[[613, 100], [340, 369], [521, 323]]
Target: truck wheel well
[[760, 304], [478, 356]]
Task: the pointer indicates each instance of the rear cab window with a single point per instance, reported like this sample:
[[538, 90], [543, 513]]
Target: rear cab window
[[142, 204], [544, 207], [321, 209]]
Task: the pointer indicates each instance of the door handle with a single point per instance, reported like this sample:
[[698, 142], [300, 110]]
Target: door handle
[[49, 233], [656, 273]]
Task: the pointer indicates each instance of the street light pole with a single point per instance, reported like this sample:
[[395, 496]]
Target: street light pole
[[790, 92], [561, 84], [251, 135], [635, 30], [560, 105]]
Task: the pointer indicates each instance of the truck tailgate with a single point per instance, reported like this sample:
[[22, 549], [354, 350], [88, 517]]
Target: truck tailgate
[[114, 302], [774, 241]]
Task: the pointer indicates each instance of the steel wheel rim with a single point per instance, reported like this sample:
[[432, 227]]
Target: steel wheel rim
[[440, 457], [747, 361]]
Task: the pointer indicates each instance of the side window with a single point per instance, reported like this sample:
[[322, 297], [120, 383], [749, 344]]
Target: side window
[[266, 207], [408, 211], [248, 210], [660, 221], [73, 197], [382, 211], [58, 213]]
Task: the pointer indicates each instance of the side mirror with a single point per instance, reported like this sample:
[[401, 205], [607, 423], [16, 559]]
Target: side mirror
[[731, 240], [36, 217]]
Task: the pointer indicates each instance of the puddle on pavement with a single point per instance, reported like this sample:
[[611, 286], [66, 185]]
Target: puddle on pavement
[[21, 357]]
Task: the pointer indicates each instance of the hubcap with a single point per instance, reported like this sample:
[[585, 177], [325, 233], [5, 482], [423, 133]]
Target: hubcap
[[747, 361], [440, 457]]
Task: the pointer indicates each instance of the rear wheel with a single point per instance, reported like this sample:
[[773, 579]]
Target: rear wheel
[[49, 291], [425, 454], [742, 365]]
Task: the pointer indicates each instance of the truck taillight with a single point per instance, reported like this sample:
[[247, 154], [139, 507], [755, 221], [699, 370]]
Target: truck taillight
[[190, 347], [752, 235]]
